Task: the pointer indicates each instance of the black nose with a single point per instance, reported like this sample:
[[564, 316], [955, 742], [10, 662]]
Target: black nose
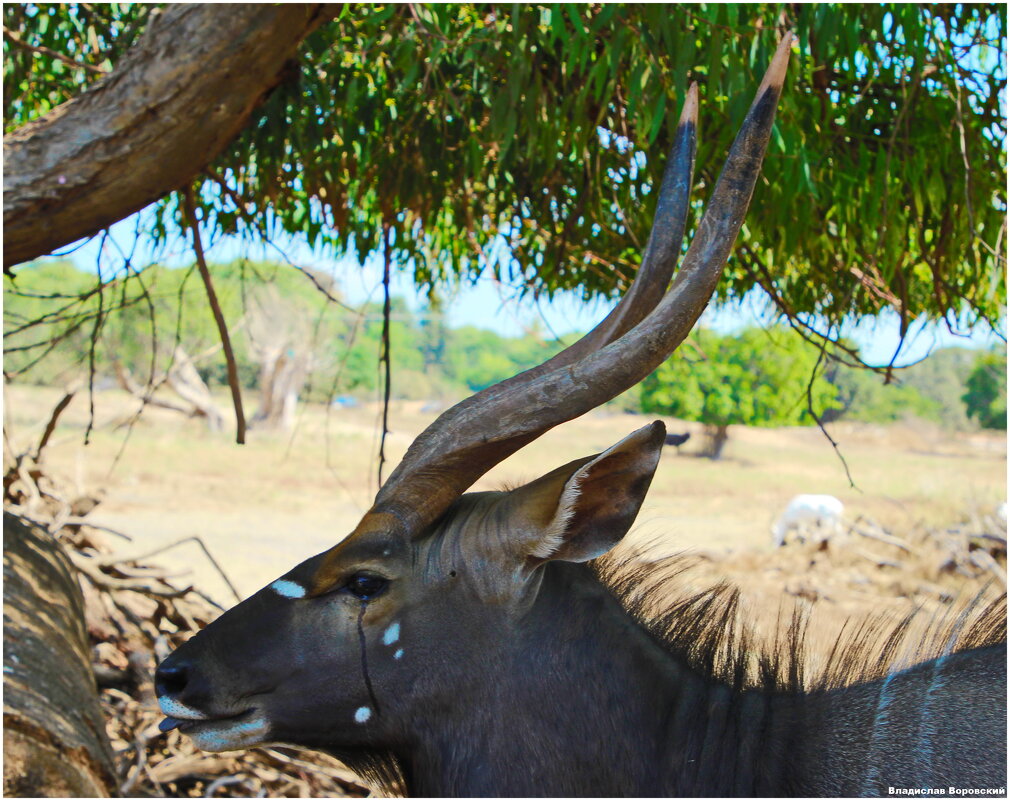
[[171, 676]]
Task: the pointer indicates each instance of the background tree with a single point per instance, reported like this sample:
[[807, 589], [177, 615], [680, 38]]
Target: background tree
[[986, 394], [168, 322], [759, 378], [884, 183]]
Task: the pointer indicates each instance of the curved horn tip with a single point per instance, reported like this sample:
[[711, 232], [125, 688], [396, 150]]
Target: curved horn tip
[[689, 114], [775, 76]]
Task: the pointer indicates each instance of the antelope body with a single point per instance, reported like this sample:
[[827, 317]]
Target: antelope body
[[467, 644]]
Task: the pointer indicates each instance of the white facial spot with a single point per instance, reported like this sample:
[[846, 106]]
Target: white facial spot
[[362, 714], [398, 654], [288, 589], [391, 635]]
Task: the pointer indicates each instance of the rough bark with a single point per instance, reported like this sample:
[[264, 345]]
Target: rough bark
[[187, 384], [54, 733], [171, 105], [282, 375], [185, 381], [716, 436]]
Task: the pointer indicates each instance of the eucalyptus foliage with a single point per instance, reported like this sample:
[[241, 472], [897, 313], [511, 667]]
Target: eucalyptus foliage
[[526, 139]]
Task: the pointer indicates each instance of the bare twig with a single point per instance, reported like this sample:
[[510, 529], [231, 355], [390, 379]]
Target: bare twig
[[39, 50], [983, 560], [222, 327], [53, 418], [820, 422], [99, 321], [203, 547], [881, 536], [90, 568], [385, 357]]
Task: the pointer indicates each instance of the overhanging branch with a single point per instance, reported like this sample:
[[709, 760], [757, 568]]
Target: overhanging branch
[[171, 105]]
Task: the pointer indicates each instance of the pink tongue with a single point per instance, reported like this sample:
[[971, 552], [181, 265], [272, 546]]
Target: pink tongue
[[169, 723]]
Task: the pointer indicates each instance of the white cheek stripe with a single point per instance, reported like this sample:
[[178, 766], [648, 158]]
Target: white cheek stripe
[[398, 654], [174, 709], [362, 714], [288, 589], [391, 635]]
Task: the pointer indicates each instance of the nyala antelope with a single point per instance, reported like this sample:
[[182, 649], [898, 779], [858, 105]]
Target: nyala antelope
[[477, 644]]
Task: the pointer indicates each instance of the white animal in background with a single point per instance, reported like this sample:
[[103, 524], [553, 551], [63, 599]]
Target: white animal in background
[[808, 511]]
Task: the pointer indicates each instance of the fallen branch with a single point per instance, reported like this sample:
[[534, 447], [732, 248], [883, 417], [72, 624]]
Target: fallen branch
[[162, 549], [879, 561], [881, 536], [983, 560]]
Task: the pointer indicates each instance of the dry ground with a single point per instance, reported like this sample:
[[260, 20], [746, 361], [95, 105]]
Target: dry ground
[[262, 507]]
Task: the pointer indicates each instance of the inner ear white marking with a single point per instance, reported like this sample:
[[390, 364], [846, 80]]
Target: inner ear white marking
[[554, 535], [391, 635], [362, 714], [398, 654], [288, 589]]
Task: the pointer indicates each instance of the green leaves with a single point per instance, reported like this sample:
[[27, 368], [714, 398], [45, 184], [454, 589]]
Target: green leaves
[[90, 37], [526, 139]]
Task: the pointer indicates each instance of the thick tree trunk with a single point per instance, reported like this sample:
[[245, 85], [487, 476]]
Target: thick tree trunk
[[54, 733], [716, 436], [282, 375], [172, 104]]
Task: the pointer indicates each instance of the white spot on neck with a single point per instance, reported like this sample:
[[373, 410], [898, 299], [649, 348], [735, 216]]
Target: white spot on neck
[[362, 714], [398, 654], [391, 635], [288, 589]]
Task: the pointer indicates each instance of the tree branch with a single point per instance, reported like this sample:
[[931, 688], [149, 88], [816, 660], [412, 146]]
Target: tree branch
[[385, 358], [229, 355], [171, 105], [45, 51]]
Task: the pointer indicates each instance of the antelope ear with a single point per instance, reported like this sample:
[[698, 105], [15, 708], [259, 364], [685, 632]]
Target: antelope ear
[[582, 510]]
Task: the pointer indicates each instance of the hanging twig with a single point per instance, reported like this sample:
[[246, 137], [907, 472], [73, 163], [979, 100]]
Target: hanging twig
[[229, 355], [51, 425], [820, 423], [45, 51], [99, 320], [384, 357]]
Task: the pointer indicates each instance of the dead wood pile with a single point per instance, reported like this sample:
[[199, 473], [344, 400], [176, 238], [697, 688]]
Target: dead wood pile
[[135, 615]]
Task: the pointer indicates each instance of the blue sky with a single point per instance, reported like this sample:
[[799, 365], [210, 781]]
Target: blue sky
[[496, 307]]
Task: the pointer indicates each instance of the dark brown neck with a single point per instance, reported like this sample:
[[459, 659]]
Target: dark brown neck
[[587, 703]]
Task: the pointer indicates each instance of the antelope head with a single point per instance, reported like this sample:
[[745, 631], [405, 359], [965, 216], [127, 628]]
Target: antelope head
[[360, 648]]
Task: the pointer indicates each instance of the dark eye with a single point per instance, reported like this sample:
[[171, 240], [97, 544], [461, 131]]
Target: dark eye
[[365, 587]]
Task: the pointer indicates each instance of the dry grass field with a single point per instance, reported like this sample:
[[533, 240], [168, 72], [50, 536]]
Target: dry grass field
[[263, 507]]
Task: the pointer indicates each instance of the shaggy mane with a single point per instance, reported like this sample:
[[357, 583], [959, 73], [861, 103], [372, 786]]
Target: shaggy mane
[[709, 631]]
